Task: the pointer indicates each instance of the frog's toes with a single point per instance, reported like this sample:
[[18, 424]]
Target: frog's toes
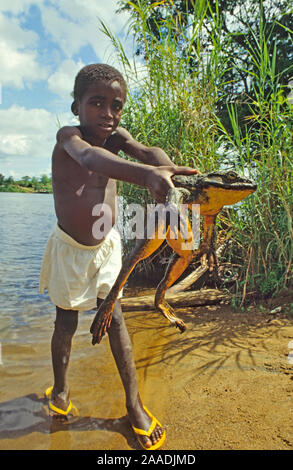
[[181, 325]]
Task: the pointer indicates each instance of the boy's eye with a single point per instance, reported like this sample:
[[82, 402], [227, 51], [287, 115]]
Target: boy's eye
[[95, 103]]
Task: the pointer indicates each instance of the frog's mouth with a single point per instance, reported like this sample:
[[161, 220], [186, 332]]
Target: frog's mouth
[[237, 186]]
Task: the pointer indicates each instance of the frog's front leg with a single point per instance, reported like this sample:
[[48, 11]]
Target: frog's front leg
[[208, 246], [175, 198]]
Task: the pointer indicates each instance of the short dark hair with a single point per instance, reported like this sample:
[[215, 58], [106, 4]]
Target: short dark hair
[[94, 72]]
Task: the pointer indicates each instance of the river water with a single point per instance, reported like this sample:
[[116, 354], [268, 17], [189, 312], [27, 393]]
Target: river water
[[26, 221]]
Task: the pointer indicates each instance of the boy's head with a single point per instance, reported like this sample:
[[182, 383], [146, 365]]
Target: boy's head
[[94, 73], [99, 97]]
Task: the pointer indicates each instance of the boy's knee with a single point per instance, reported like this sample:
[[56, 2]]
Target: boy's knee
[[66, 321]]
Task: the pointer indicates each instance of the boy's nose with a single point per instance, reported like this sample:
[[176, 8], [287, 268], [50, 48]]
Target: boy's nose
[[107, 112]]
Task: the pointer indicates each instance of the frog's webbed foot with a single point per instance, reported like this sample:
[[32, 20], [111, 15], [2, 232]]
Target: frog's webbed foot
[[169, 313], [101, 322], [209, 259]]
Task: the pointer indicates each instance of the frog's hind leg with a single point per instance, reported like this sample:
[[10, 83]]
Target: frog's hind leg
[[102, 320], [175, 268], [184, 253], [208, 246]]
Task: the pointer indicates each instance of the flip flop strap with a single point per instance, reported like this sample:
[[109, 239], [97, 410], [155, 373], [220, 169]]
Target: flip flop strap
[[58, 410], [48, 392], [147, 433]]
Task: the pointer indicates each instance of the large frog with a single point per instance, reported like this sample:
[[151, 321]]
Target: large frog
[[211, 191]]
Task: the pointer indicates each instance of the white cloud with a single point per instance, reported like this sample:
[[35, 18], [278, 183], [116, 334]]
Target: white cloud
[[73, 24], [69, 35], [27, 138], [61, 82], [17, 6], [18, 59]]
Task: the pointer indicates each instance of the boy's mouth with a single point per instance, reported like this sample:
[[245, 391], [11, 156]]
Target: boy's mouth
[[107, 126]]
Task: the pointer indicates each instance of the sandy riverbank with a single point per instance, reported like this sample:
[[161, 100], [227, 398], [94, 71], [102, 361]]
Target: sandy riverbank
[[226, 383]]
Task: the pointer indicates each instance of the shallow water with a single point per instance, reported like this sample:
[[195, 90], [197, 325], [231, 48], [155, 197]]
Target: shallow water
[[26, 222]]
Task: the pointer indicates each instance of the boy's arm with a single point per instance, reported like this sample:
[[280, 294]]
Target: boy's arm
[[99, 160], [148, 155]]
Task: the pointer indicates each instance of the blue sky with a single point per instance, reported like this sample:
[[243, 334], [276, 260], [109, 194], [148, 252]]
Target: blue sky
[[43, 45]]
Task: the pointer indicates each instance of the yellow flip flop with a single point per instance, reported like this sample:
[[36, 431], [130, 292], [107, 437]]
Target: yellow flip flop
[[59, 411], [142, 432]]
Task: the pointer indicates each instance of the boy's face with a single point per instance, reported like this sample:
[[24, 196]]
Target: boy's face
[[100, 110]]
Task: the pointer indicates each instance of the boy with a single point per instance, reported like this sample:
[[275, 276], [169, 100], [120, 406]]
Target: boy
[[79, 265]]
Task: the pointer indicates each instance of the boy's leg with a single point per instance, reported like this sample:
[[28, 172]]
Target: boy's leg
[[65, 327], [121, 348]]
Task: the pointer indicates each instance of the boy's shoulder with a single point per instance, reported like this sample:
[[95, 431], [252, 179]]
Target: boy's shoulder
[[67, 131], [120, 135]]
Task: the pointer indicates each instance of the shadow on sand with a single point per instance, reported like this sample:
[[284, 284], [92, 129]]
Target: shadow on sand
[[25, 415]]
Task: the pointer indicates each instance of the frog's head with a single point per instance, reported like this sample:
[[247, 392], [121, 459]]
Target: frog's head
[[215, 190], [230, 180]]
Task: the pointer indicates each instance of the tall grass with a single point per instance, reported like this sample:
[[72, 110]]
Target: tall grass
[[172, 104]]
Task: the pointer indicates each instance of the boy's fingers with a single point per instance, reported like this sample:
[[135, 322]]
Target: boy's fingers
[[185, 170]]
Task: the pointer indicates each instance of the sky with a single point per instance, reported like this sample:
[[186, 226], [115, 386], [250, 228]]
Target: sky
[[43, 44]]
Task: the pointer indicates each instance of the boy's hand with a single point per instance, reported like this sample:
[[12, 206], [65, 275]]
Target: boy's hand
[[159, 180]]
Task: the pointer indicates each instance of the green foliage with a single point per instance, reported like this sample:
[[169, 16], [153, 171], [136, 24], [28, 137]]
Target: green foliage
[[231, 28], [212, 99]]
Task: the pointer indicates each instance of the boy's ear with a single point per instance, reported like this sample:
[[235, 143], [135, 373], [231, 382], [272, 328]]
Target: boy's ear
[[74, 108]]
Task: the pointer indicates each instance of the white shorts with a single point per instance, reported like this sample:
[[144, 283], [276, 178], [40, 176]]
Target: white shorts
[[75, 275]]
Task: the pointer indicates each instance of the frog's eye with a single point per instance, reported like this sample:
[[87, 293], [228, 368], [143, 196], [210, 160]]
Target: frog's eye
[[232, 175]]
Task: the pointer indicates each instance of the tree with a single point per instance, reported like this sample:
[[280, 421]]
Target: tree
[[241, 32], [9, 180], [25, 180]]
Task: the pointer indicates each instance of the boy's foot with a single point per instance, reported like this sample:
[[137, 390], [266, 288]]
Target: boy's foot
[[60, 405], [149, 431]]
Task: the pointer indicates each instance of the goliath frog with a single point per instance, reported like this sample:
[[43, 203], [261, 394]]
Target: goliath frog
[[211, 191]]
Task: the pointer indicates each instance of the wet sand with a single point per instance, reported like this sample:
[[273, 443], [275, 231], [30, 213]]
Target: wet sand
[[226, 383]]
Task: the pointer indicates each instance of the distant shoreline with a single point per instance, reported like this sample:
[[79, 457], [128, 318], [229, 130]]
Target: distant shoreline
[[26, 184], [25, 190]]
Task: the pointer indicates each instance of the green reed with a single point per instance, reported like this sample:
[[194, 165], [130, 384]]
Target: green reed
[[172, 102]]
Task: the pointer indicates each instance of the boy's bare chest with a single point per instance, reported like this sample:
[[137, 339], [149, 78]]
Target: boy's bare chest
[[68, 173]]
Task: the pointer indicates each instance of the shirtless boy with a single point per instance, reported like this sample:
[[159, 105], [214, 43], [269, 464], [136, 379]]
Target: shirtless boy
[[80, 267]]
